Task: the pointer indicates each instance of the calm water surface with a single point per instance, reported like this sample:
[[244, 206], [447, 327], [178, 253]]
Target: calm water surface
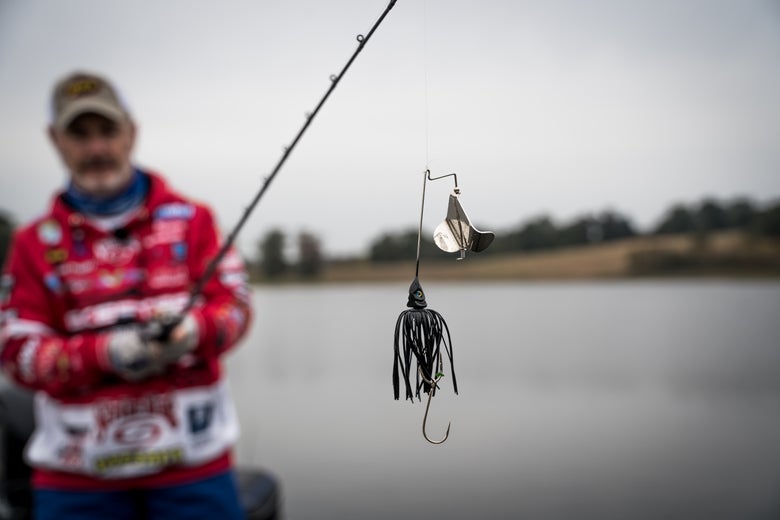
[[624, 400]]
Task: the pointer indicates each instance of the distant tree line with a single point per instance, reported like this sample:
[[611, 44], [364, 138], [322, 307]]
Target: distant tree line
[[712, 215], [272, 261], [543, 232], [539, 233], [393, 247]]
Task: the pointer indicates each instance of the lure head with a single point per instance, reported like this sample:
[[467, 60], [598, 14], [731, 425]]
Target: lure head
[[416, 295]]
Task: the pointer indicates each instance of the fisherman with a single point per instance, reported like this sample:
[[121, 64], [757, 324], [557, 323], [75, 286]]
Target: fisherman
[[130, 422]]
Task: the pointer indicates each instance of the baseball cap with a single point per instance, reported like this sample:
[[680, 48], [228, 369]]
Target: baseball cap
[[82, 93]]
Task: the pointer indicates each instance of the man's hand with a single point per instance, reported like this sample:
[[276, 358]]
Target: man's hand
[[132, 357], [181, 341], [176, 342]]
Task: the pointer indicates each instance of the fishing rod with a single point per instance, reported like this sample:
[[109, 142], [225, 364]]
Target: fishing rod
[[211, 267]]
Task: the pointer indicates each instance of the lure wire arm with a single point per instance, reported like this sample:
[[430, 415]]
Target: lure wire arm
[[427, 177], [428, 172]]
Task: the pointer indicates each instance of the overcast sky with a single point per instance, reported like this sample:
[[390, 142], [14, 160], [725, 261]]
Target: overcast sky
[[547, 107]]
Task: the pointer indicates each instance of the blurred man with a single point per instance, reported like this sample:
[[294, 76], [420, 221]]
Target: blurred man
[[129, 423]]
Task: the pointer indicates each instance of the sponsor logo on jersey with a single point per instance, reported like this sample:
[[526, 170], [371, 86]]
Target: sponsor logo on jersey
[[159, 458], [79, 285], [50, 232], [56, 256], [82, 268], [110, 279], [109, 413], [179, 251], [140, 431], [175, 211], [200, 417], [53, 283], [112, 251], [167, 277], [166, 232]]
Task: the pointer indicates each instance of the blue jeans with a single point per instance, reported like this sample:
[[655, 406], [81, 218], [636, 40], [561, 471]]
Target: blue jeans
[[215, 497]]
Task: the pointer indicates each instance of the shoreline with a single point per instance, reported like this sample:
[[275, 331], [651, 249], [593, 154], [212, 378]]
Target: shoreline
[[730, 254]]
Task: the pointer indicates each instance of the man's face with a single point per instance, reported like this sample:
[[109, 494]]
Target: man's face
[[96, 150]]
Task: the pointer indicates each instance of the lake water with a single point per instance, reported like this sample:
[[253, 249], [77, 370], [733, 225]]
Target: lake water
[[592, 400]]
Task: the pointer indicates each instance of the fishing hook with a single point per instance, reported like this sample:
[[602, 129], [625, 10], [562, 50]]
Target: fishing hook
[[433, 385]]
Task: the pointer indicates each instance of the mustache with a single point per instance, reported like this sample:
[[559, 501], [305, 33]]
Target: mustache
[[98, 162]]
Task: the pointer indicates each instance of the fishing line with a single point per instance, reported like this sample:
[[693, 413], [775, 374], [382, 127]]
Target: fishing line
[[425, 86]]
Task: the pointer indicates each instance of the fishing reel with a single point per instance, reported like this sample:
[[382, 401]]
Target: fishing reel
[[160, 327]]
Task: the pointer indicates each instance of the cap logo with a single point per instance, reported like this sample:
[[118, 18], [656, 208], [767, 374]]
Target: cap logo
[[81, 93], [82, 87]]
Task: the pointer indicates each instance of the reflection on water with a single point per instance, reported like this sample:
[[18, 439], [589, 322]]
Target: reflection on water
[[631, 400]]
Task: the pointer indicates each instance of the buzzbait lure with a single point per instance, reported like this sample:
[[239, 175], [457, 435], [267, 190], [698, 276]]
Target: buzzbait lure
[[421, 332]]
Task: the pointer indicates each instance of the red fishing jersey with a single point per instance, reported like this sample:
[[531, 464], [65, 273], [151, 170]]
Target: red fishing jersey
[[67, 282]]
